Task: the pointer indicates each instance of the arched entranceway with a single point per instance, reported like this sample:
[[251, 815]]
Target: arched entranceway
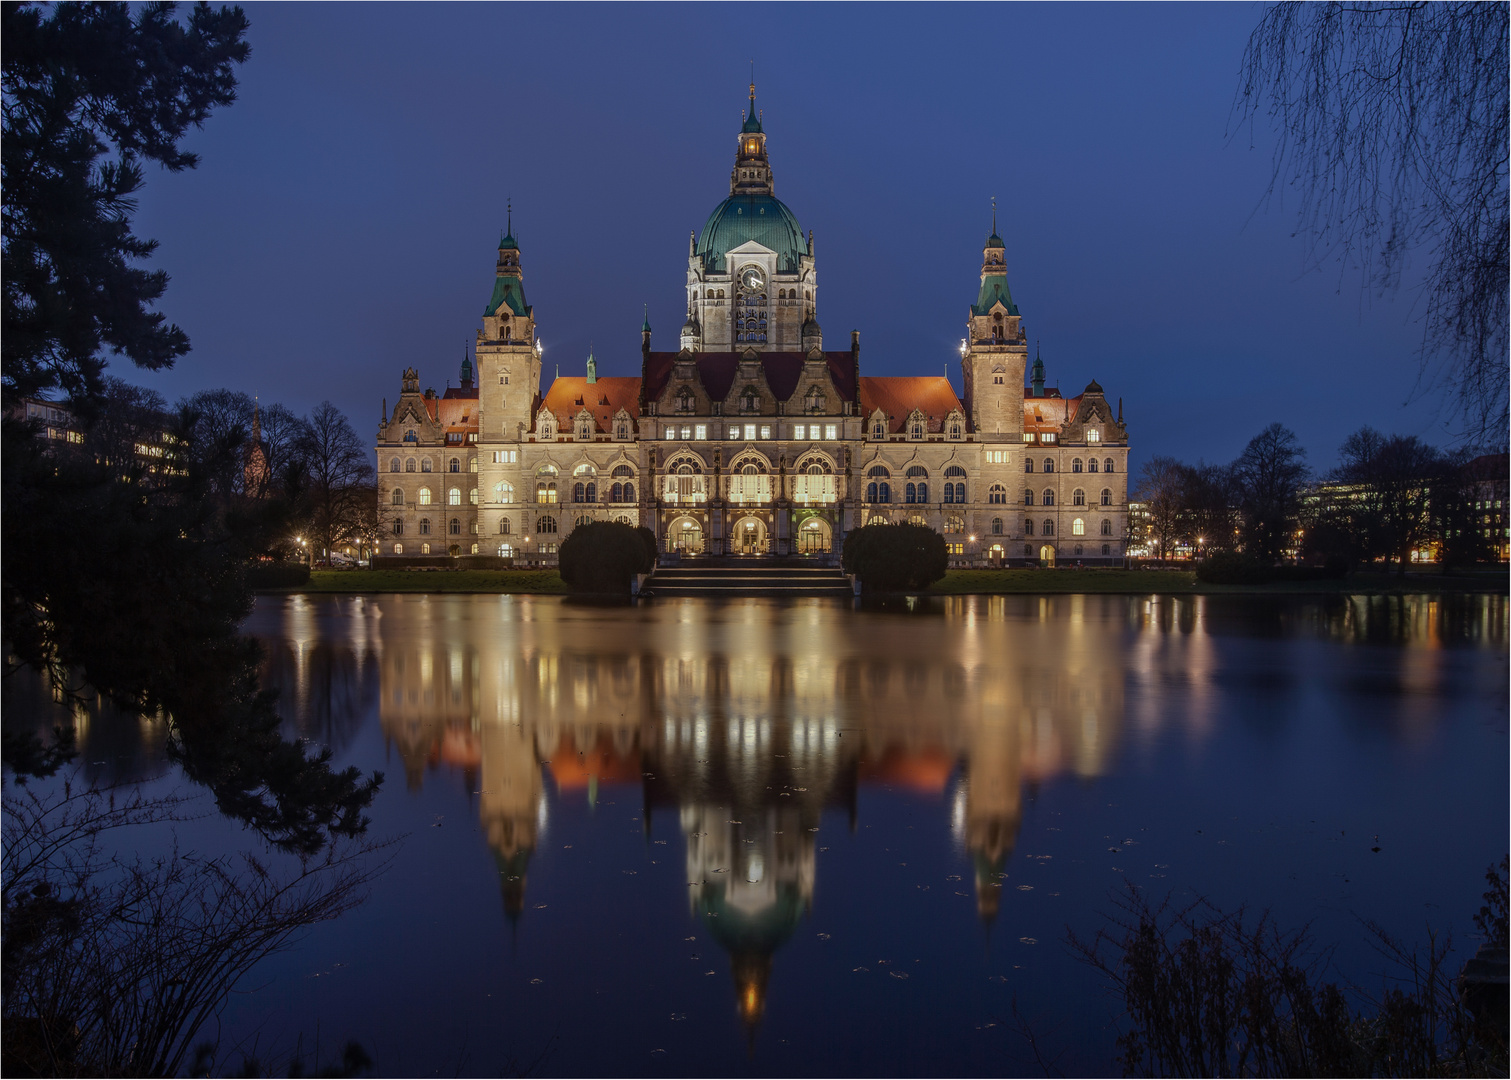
[[686, 536], [748, 537], [997, 555], [1046, 555], [814, 536]]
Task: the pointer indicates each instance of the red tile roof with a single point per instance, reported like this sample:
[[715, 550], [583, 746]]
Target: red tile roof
[[1050, 412], [899, 395], [570, 394]]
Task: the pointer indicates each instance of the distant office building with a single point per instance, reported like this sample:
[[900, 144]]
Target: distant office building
[[751, 438]]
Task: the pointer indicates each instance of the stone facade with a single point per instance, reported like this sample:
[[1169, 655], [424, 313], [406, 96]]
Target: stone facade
[[750, 438]]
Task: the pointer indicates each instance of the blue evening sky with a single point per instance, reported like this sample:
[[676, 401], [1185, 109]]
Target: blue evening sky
[[343, 222]]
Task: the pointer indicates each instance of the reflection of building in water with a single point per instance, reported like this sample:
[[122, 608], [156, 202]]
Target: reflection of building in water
[[751, 728]]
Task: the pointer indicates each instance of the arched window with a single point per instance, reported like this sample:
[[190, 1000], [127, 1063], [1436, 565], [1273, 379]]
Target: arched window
[[878, 428], [871, 492], [912, 494], [1028, 549], [472, 496], [954, 524], [424, 526], [1078, 497], [917, 472], [456, 465], [503, 492], [1075, 465], [424, 549], [623, 470], [996, 494], [503, 526], [1078, 527], [398, 549], [398, 526], [1049, 464], [956, 431], [879, 472], [505, 551], [1028, 497], [577, 493], [616, 493], [1049, 497], [915, 429], [1028, 464], [456, 526], [424, 464], [814, 401], [1106, 528], [585, 519], [472, 464], [546, 524], [409, 465], [1028, 526], [1049, 527], [1093, 435], [398, 496], [996, 526], [592, 492], [424, 496], [393, 466], [1091, 466], [1107, 465], [545, 491], [1106, 496], [955, 471], [454, 497]]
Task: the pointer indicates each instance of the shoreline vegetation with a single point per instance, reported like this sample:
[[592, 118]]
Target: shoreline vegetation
[[955, 583]]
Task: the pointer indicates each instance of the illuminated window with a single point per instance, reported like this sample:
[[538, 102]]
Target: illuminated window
[[424, 496], [1078, 527]]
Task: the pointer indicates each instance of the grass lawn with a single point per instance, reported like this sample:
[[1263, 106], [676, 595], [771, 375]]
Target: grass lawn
[[431, 581]]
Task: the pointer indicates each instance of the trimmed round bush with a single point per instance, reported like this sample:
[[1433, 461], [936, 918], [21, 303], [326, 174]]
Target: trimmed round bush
[[603, 557], [892, 558], [647, 538], [1231, 568]]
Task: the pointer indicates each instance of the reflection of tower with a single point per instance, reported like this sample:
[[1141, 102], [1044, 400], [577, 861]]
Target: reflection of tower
[[993, 810], [511, 798]]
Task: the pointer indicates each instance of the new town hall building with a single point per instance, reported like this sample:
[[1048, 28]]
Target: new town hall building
[[751, 438]]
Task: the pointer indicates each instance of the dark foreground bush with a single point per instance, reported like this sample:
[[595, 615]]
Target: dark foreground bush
[[889, 558], [647, 538], [603, 557], [277, 575], [1213, 993]]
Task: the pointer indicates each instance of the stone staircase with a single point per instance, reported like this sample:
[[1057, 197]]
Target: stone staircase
[[748, 577]]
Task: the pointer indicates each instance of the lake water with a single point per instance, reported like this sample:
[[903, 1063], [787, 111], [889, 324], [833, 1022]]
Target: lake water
[[797, 838]]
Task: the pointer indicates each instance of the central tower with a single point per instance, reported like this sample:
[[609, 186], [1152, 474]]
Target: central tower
[[751, 283]]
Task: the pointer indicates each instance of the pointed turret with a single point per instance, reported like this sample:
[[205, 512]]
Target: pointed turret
[[1038, 373], [752, 172], [464, 377], [592, 366]]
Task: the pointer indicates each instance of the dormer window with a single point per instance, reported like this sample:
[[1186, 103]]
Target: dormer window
[[1093, 435], [878, 429]]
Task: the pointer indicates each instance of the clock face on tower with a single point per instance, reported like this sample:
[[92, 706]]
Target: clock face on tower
[[752, 279]]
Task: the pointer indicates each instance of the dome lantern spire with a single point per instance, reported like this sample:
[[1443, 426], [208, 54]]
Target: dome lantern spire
[[752, 172]]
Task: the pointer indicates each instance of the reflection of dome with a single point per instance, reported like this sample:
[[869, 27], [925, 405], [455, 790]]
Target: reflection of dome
[[742, 218], [751, 937]]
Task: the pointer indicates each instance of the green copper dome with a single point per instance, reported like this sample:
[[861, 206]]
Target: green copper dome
[[742, 218]]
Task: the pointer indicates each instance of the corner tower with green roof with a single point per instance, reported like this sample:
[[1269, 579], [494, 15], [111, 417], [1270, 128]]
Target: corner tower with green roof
[[995, 351], [508, 358], [751, 282]]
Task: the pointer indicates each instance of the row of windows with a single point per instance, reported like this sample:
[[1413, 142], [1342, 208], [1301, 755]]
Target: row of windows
[[454, 465], [700, 432], [453, 497], [1077, 497], [454, 527], [1075, 465]]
